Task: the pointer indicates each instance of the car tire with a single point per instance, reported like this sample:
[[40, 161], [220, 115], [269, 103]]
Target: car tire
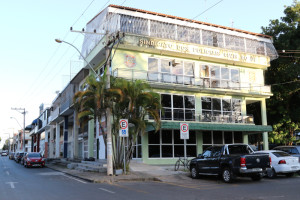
[[194, 172], [227, 175], [256, 177], [271, 173], [177, 164], [289, 174]]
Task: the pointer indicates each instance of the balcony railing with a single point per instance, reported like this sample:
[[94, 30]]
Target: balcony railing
[[54, 114], [66, 104], [184, 80], [190, 115]]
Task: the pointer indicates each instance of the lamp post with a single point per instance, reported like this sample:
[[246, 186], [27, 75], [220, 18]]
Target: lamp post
[[108, 111], [62, 41], [24, 112]]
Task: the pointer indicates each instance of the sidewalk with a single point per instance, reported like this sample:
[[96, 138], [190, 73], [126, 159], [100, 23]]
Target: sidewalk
[[138, 172]]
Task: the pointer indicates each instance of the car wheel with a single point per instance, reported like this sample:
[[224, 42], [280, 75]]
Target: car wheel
[[177, 164], [227, 175], [256, 177], [194, 173], [289, 174], [271, 173]]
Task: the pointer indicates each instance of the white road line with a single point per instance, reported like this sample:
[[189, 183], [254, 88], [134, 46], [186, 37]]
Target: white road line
[[12, 184], [107, 190], [7, 172], [74, 179]]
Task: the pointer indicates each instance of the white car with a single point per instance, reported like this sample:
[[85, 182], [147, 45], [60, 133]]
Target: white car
[[4, 153], [282, 163]]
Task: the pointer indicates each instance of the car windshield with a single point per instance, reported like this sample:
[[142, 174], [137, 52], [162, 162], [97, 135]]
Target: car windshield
[[280, 154], [239, 149], [34, 155]]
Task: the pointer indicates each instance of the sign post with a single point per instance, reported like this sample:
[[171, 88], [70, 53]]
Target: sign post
[[184, 135], [123, 132]]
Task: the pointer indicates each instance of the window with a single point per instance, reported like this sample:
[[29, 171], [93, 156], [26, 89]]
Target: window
[[221, 110], [219, 77], [220, 137], [167, 144], [171, 71], [178, 107]]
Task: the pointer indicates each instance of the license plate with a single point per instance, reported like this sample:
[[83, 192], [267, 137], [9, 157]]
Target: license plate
[[256, 169], [35, 165]]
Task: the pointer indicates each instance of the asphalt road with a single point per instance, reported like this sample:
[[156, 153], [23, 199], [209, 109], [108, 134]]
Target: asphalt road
[[19, 183]]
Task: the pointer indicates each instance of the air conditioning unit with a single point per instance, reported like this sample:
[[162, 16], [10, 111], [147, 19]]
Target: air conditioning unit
[[174, 62]]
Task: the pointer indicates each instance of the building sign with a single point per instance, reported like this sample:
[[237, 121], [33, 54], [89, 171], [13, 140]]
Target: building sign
[[130, 61], [199, 50], [184, 131]]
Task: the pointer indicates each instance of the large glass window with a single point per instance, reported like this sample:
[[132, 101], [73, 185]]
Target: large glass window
[[167, 144], [178, 107], [171, 71], [219, 77], [220, 137], [221, 110]]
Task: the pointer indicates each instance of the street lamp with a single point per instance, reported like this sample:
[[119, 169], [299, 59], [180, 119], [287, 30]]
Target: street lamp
[[16, 121], [24, 112], [62, 41]]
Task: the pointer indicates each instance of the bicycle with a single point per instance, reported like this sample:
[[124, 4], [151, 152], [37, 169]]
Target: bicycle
[[184, 162]]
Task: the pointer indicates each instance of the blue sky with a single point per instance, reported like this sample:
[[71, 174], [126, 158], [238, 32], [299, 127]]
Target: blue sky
[[34, 67]]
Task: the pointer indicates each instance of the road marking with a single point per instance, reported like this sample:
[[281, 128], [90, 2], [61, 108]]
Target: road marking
[[12, 184], [7, 172], [74, 179], [51, 173], [107, 190]]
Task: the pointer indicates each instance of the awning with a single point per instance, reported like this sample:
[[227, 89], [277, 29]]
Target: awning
[[213, 127]]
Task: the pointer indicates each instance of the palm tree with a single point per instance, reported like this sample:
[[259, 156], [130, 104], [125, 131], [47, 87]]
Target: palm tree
[[136, 103], [131, 100]]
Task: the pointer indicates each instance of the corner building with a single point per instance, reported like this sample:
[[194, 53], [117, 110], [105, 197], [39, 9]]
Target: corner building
[[207, 76]]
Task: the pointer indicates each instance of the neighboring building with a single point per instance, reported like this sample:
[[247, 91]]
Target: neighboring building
[[207, 76]]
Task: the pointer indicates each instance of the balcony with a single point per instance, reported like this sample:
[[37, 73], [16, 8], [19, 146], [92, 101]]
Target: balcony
[[54, 115], [167, 80], [65, 107]]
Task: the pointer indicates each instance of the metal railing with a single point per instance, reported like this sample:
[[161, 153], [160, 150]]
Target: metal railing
[[201, 82], [54, 114]]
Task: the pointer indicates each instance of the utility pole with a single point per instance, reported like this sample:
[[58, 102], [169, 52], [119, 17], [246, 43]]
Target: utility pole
[[24, 112], [108, 112]]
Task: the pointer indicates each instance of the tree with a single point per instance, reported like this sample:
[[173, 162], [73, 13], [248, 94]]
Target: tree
[[137, 101], [283, 107], [132, 100]]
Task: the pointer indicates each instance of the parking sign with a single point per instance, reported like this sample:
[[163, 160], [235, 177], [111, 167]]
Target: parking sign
[[123, 132], [184, 131]]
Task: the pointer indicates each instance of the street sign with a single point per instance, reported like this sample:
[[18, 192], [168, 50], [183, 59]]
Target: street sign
[[123, 131], [184, 131]]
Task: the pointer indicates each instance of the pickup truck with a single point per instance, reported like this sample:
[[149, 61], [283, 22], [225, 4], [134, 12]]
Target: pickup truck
[[230, 161]]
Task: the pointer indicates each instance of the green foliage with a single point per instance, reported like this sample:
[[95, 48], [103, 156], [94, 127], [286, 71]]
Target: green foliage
[[131, 100], [283, 107]]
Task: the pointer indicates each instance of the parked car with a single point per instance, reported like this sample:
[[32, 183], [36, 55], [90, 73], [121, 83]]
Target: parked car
[[22, 159], [282, 163], [11, 155], [229, 161], [4, 153], [19, 156], [292, 150], [34, 159]]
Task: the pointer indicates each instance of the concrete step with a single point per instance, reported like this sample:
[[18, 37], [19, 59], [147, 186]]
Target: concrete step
[[96, 163], [90, 168]]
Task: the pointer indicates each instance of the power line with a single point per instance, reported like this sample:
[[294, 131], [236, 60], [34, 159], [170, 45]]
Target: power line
[[207, 9]]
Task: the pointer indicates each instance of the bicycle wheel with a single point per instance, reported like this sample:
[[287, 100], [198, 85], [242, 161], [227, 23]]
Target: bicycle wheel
[[188, 162], [177, 164]]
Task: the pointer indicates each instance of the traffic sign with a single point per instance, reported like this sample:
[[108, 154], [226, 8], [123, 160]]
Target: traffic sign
[[184, 131], [123, 131]]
